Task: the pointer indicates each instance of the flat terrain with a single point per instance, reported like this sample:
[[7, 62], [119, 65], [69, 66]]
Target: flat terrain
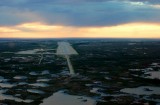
[[109, 72]]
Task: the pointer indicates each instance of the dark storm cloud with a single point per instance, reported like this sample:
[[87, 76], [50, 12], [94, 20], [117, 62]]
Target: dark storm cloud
[[78, 12], [104, 13]]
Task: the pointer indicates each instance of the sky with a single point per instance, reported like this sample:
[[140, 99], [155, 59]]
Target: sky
[[80, 19]]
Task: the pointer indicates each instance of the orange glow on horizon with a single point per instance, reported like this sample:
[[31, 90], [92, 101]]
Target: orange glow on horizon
[[39, 30], [37, 27]]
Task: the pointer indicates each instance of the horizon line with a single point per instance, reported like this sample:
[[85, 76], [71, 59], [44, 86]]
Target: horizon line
[[80, 38]]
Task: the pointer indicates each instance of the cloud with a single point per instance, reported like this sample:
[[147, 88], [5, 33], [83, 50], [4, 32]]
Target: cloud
[[99, 14], [32, 27], [12, 16], [79, 13], [8, 30], [149, 1], [130, 30]]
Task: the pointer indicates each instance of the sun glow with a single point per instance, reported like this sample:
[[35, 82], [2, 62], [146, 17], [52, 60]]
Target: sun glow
[[39, 30], [37, 27], [8, 30]]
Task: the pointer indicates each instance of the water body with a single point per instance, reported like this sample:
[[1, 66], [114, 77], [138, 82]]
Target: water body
[[45, 72], [7, 85], [153, 75], [61, 98], [10, 97], [39, 84], [97, 91], [35, 91], [43, 80], [20, 77], [33, 73], [34, 51], [142, 90], [2, 79]]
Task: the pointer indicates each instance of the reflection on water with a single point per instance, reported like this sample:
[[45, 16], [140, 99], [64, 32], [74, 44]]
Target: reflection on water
[[20, 77], [33, 73], [39, 84], [153, 75], [2, 79], [7, 85], [34, 51], [61, 98], [10, 97], [35, 91], [45, 72], [142, 90], [43, 80], [22, 83], [97, 91]]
